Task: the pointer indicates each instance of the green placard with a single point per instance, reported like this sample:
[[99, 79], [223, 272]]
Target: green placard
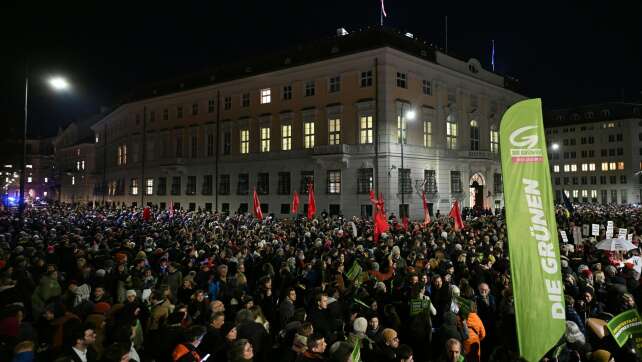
[[418, 305], [624, 325], [354, 271], [532, 231]]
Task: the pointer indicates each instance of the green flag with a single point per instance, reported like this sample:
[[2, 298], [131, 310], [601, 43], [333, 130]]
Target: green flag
[[624, 325], [356, 351], [465, 306], [532, 231], [354, 271]]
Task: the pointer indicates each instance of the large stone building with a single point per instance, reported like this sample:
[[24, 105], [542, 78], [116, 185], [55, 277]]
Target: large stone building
[[595, 152], [327, 113]]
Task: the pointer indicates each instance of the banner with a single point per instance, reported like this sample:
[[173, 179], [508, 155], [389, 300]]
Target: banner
[[532, 231], [609, 229], [625, 324]]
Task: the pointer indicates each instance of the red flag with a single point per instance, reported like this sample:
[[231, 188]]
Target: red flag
[[312, 206], [455, 213], [372, 197], [257, 206], [295, 203], [380, 222], [426, 211], [147, 213]]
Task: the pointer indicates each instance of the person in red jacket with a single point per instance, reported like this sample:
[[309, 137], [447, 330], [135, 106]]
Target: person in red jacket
[[186, 351]]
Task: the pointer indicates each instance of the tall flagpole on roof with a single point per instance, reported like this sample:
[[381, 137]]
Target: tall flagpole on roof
[[382, 13], [446, 46], [492, 56]]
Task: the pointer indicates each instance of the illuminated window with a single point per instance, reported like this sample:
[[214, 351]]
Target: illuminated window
[[308, 134], [556, 168], [245, 141], [265, 139], [334, 131], [77, 165], [605, 166], [427, 133], [133, 186], [97, 138], [82, 165], [576, 193], [573, 168], [73, 180], [594, 194], [451, 133], [494, 141], [365, 129], [46, 179], [286, 137], [149, 186], [584, 193], [567, 168], [620, 166], [266, 96], [402, 130], [474, 136], [612, 166], [334, 182], [591, 167], [29, 179], [584, 167], [44, 194]]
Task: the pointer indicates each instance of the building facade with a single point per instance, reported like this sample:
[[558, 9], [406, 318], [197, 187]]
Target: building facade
[[595, 152], [40, 183], [335, 114], [75, 148]]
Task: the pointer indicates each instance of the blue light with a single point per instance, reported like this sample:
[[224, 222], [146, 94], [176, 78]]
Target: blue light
[[11, 199]]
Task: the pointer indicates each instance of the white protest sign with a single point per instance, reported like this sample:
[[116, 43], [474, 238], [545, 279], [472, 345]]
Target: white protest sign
[[585, 230], [564, 237], [629, 237], [595, 230], [621, 233], [609, 229]]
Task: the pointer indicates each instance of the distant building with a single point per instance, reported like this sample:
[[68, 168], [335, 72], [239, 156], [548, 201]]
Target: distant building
[[76, 162], [595, 152], [40, 172], [326, 113]]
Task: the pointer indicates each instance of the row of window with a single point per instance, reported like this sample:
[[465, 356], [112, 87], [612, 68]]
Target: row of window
[[592, 180], [309, 134], [365, 183], [584, 167], [584, 194], [611, 152], [265, 94]]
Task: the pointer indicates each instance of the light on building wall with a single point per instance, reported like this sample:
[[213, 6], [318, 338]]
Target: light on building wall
[[410, 115], [555, 146]]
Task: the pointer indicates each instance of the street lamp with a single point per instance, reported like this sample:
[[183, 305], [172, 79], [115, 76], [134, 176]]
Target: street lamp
[[58, 84], [410, 116], [555, 146]]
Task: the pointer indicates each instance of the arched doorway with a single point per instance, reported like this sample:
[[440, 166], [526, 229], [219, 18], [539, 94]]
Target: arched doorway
[[477, 183]]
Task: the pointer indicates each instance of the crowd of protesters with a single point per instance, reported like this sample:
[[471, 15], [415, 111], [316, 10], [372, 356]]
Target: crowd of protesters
[[96, 284]]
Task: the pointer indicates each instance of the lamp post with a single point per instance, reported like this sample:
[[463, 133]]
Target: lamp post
[[410, 115], [58, 84]]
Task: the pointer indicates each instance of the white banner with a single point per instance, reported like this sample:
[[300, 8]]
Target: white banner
[[621, 233], [609, 229], [595, 230]]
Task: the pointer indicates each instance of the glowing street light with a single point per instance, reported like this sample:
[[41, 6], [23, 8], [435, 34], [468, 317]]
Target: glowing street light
[[59, 83], [555, 146]]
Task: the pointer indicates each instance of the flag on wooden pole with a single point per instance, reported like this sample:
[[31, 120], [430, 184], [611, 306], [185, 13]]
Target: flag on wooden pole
[[312, 205], [257, 206], [295, 203]]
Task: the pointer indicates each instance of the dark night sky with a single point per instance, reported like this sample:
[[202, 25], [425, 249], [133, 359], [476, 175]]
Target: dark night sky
[[567, 52]]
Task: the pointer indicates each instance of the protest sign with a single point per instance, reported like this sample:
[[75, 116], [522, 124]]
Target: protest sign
[[585, 230], [609, 229], [564, 237], [623, 325], [595, 229], [621, 233]]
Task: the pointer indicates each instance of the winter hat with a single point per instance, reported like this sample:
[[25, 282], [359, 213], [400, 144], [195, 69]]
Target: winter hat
[[102, 308], [131, 292], [600, 356], [360, 325], [573, 333]]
